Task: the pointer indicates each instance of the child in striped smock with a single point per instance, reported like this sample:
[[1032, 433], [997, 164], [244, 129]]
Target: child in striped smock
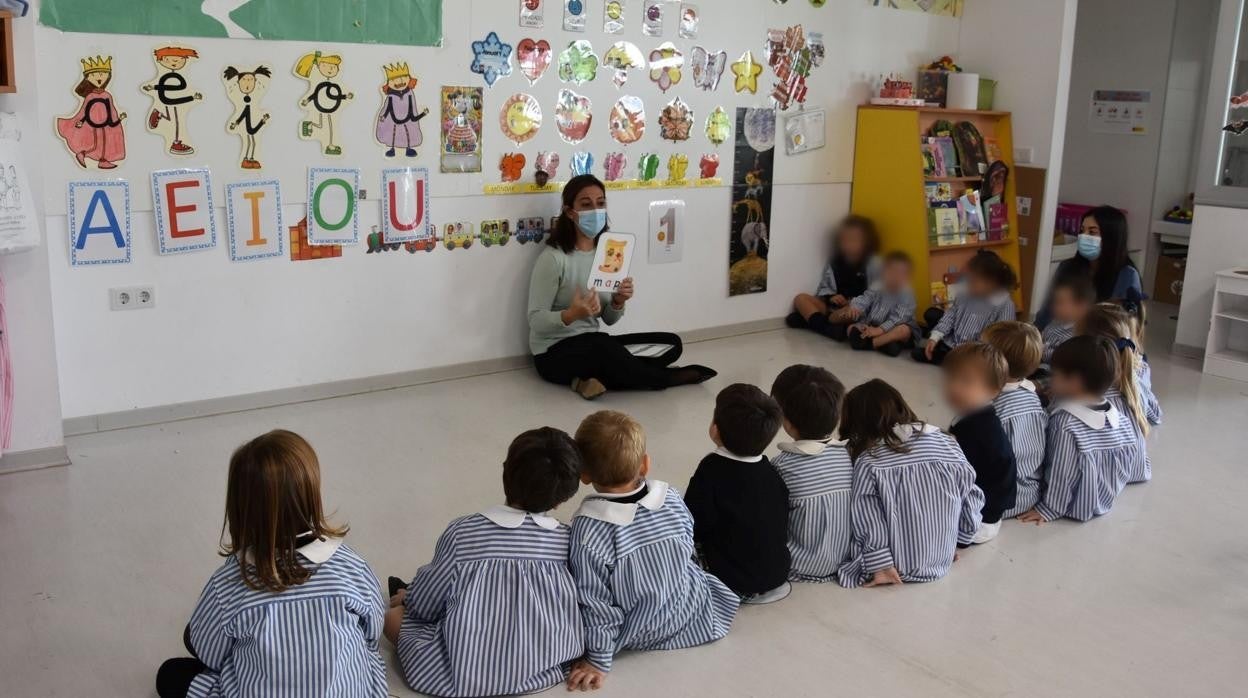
[[1131, 394], [1018, 406], [986, 300], [292, 610], [914, 495], [817, 471], [1093, 450], [882, 318], [1070, 300], [505, 570], [632, 556]]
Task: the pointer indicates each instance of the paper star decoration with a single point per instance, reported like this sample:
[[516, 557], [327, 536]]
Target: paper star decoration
[[747, 72], [491, 58]]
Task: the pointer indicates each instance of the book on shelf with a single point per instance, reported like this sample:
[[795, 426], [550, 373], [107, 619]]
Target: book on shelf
[[929, 160], [998, 218], [993, 150], [938, 192], [939, 294], [949, 154], [946, 226], [970, 212]]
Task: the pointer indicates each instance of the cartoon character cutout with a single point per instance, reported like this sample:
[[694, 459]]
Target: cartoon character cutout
[[94, 132], [322, 102], [613, 261], [172, 98], [464, 124], [398, 122], [245, 89]]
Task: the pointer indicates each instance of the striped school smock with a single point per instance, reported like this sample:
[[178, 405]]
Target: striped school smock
[[968, 317], [820, 476], [315, 639], [1091, 455], [1143, 466], [1054, 335], [886, 310], [1025, 422], [495, 612], [911, 510], [638, 584], [1144, 378]]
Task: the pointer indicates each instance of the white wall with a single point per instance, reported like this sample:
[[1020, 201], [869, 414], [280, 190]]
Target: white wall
[[1218, 242], [37, 407], [222, 329]]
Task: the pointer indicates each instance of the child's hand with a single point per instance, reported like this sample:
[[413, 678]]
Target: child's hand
[[585, 677], [397, 599], [854, 313], [1032, 516], [838, 300], [872, 332], [885, 578], [930, 349]]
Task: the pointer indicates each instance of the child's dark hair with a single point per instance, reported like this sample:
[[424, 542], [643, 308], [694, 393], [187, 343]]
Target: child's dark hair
[[980, 356], [810, 398], [987, 265], [870, 235], [1093, 359], [747, 419], [1079, 285], [565, 232], [870, 415], [542, 470], [898, 257]]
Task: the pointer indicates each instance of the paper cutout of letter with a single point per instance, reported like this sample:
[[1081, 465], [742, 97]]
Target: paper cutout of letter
[[254, 198], [418, 197], [113, 227], [347, 215], [175, 209]]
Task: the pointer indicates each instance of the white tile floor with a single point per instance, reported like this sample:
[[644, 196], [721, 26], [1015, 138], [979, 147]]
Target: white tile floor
[[101, 563]]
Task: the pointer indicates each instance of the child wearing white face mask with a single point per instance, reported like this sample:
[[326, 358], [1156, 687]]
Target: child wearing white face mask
[[564, 316]]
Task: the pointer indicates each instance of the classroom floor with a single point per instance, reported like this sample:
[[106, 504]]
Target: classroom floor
[[101, 562]]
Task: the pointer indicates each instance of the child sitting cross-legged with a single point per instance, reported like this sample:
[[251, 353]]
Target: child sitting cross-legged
[[974, 375], [850, 271], [495, 612], [817, 470], [1092, 447], [1022, 416], [986, 300], [1131, 393], [882, 318], [914, 495], [632, 556], [739, 503]]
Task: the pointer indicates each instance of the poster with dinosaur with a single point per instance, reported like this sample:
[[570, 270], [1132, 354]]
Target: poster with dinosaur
[[752, 176]]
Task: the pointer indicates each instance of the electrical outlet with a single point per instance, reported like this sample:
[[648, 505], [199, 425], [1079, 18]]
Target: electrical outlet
[[131, 297]]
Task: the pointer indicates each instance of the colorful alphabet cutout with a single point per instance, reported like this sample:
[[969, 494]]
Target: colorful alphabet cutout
[[182, 205], [99, 222], [323, 100], [246, 88], [172, 98], [95, 133], [253, 213]]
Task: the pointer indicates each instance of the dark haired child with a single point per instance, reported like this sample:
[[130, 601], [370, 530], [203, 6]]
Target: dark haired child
[[289, 588], [986, 300], [632, 556], [817, 471], [975, 373], [739, 503], [882, 318], [506, 569], [1092, 447], [914, 497], [850, 271], [1018, 406], [1070, 300]]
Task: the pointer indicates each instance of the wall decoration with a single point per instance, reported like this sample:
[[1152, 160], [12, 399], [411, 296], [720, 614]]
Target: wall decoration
[[648, 167], [707, 67], [512, 167], [375, 243], [461, 128], [491, 59], [95, 133], [622, 57], [751, 201], [818, 3], [805, 132], [19, 228], [323, 100], [398, 120], [718, 126], [677, 167], [708, 166], [534, 57], [666, 62], [333, 212], [546, 166], [99, 222], [395, 22], [582, 163], [578, 64], [573, 116], [458, 235], [532, 14], [615, 165], [574, 15], [667, 232], [1120, 112], [676, 121], [301, 251], [628, 120], [652, 19], [612, 16], [182, 204], [792, 55], [405, 204], [495, 232], [246, 89], [612, 259], [520, 118], [253, 213], [172, 98], [944, 8], [690, 17], [531, 229], [746, 71]]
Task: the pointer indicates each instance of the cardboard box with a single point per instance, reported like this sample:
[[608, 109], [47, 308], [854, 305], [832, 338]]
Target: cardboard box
[[1169, 285]]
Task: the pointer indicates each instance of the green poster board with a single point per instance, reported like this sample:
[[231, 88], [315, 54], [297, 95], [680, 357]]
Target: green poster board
[[400, 22]]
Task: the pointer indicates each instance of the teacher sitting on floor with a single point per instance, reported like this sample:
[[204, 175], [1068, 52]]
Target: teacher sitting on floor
[[1102, 258], [564, 335]]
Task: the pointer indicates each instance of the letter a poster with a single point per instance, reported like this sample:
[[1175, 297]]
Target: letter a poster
[[754, 160]]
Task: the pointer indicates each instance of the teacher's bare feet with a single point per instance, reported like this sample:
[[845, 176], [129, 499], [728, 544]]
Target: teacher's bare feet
[[589, 388]]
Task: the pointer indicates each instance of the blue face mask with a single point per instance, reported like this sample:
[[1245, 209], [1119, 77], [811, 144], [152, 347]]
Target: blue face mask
[[1090, 247], [591, 223]]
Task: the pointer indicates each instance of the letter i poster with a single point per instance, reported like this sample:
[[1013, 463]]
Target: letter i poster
[[754, 164]]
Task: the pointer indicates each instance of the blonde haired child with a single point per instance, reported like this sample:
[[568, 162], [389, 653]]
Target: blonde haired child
[[1110, 321], [1022, 415]]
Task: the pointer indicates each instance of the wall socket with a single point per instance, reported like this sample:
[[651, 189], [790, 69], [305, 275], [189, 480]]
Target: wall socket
[[132, 297]]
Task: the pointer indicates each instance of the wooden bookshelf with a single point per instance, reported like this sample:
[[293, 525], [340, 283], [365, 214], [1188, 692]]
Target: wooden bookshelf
[[8, 83], [889, 187]]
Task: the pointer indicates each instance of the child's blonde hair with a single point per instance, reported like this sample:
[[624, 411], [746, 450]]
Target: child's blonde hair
[[1110, 321], [979, 356], [304, 67], [613, 446], [1020, 344]]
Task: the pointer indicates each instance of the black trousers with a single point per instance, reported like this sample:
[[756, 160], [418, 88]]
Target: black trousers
[[175, 675], [607, 358], [919, 353]]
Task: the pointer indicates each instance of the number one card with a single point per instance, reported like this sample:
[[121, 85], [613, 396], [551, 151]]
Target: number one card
[[667, 231]]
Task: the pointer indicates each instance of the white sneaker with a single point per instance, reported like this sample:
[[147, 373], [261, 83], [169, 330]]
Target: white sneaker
[[778, 594], [986, 533]]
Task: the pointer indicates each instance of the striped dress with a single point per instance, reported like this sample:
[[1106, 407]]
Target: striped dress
[[495, 612], [1144, 378], [1143, 470], [1054, 335], [886, 310], [1092, 454], [316, 639], [638, 584], [820, 476], [911, 510], [1025, 422], [968, 317]]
